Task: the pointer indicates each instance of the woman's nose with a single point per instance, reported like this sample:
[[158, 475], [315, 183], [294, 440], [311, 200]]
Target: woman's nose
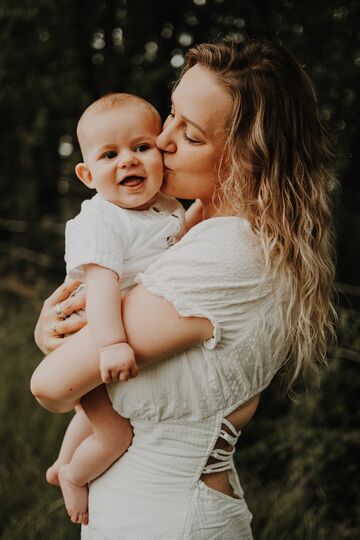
[[165, 140]]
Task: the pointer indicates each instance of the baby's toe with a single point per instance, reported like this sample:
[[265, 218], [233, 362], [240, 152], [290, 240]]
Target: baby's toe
[[74, 517]]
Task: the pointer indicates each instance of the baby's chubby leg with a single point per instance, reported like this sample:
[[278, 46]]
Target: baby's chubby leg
[[111, 437], [78, 429]]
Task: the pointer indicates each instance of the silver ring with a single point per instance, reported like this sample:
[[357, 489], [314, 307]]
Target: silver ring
[[59, 311], [53, 328]]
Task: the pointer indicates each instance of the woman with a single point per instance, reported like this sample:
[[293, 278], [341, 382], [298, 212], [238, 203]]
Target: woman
[[244, 293]]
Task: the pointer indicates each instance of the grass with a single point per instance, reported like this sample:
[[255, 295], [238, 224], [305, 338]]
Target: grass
[[30, 509], [297, 460]]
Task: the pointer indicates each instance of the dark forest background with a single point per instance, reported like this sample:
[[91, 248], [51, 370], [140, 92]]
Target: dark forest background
[[298, 458]]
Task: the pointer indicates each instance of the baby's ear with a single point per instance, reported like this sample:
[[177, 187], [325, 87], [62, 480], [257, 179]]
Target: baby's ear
[[84, 174]]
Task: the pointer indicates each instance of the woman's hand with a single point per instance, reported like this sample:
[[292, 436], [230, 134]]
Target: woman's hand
[[52, 330]]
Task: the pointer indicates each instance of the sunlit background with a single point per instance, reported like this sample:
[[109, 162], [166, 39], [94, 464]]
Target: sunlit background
[[297, 460]]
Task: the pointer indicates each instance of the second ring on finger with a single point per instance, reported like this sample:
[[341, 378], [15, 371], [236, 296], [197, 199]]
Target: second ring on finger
[[59, 312], [56, 328], [53, 327]]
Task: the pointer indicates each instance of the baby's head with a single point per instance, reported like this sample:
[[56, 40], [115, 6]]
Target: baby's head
[[117, 136]]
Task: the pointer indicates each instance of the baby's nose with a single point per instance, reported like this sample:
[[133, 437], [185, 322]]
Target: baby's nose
[[127, 158]]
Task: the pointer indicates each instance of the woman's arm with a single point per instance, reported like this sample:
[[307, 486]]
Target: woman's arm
[[154, 330]]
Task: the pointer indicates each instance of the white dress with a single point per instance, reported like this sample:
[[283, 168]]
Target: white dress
[[177, 406]]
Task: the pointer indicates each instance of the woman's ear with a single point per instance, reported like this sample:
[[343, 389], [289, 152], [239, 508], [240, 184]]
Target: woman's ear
[[84, 174]]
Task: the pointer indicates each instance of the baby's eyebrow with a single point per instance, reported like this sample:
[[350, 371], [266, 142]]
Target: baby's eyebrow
[[106, 147]]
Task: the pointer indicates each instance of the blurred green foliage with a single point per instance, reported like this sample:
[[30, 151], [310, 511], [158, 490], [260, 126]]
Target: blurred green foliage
[[298, 460]]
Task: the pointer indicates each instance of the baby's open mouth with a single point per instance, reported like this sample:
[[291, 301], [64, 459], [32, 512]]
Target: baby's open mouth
[[132, 181]]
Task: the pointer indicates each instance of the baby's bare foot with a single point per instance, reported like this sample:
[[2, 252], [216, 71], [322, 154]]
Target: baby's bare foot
[[75, 497], [52, 474]]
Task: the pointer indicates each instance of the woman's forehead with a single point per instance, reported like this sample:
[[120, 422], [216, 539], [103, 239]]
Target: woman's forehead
[[200, 98]]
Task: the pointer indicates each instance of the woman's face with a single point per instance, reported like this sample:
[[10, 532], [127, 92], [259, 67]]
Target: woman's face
[[193, 136]]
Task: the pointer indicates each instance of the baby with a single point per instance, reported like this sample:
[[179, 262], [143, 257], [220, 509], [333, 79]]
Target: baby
[[117, 234]]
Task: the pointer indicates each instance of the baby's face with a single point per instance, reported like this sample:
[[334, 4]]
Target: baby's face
[[119, 150]]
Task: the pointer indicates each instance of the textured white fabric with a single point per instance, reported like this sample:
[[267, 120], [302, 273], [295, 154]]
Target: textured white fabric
[[177, 406], [125, 241]]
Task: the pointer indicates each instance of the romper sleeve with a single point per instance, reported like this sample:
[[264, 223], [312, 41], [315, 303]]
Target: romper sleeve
[[215, 272], [97, 235]]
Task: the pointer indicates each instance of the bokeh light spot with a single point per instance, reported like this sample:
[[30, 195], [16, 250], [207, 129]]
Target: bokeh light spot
[[185, 39], [177, 60], [98, 40], [97, 59], [66, 146], [167, 30]]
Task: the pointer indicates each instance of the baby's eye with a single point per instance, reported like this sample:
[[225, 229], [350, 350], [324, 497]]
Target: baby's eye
[[111, 154], [142, 147]]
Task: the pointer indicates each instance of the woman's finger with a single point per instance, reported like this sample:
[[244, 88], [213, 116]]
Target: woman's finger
[[54, 340], [73, 303], [62, 292], [68, 326], [53, 343], [50, 343]]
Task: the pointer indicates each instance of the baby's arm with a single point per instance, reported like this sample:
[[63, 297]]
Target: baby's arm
[[103, 307]]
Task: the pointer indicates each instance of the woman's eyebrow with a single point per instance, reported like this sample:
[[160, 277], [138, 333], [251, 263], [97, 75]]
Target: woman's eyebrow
[[193, 124], [188, 120]]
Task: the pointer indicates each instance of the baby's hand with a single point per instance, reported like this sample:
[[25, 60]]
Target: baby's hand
[[117, 363]]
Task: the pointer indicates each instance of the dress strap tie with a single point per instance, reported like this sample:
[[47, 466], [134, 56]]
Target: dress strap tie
[[223, 457]]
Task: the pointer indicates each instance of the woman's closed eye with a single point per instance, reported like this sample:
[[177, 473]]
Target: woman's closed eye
[[190, 140], [186, 137]]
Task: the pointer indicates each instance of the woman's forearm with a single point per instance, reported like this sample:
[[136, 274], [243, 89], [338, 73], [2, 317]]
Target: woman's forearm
[[154, 329]]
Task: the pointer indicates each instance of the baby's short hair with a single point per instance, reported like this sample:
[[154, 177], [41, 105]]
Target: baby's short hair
[[112, 101]]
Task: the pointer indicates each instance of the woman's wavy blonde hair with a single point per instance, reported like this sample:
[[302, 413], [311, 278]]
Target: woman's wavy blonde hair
[[278, 173]]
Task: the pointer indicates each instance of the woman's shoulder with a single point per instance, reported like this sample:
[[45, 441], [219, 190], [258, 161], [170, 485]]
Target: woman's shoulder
[[226, 242], [226, 231], [215, 258]]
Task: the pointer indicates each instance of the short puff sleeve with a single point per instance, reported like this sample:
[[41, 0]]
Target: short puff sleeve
[[97, 235], [215, 271]]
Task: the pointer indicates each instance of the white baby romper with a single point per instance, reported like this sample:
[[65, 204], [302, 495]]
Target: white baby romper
[[123, 240], [177, 406]]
